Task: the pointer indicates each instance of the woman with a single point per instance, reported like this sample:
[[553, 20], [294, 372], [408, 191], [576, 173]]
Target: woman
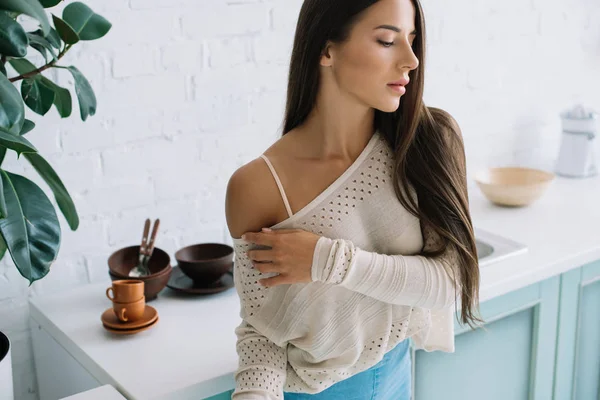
[[365, 193]]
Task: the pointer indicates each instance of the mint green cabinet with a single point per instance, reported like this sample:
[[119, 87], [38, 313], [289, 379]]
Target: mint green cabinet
[[511, 357], [578, 349], [221, 396], [539, 342]]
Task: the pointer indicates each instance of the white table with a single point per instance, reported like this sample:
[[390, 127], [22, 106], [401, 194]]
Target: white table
[[191, 352]]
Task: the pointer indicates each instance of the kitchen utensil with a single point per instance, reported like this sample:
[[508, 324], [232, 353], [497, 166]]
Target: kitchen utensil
[[576, 158], [126, 290], [151, 243], [131, 331], [131, 311], [109, 319], [184, 284], [154, 284], [513, 186], [123, 260], [141, 269], [206, 262]]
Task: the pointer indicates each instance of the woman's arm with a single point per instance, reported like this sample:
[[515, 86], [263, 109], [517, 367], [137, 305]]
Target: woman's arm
[[261, 373], [414, 280]]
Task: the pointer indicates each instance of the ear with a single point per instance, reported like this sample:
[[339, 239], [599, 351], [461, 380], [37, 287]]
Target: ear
[[326, 56]]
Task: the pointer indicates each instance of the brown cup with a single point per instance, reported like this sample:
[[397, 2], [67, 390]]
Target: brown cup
[[130, 312], [126, 290]]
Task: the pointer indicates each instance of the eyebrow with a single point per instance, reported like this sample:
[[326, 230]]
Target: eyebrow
[[394, 28]]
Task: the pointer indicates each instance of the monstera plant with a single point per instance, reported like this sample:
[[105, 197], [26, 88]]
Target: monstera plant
[[29, 226]]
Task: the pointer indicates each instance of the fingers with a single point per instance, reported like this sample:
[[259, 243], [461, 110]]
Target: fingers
[[265, 268], [261, 255], [261, 238], [274, 281]]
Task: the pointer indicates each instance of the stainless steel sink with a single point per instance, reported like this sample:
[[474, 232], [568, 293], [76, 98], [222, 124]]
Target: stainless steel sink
[[492, 248]]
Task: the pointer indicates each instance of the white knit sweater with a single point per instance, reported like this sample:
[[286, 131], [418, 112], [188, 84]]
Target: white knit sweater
[[370, 288]]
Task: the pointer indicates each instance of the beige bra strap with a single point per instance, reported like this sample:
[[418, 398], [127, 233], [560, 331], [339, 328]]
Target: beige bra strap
[[285, 200]]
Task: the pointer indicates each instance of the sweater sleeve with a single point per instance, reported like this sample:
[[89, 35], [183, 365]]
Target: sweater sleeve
[[262, 363], [262, 366], [413, 280]]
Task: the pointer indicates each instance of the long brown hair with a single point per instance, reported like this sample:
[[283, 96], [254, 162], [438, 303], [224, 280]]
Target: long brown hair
[[427, 142]]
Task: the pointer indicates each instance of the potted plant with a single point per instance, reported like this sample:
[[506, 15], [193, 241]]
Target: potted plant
[[29, 227]]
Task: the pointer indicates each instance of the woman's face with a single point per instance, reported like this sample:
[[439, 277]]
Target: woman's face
[[378, 52]]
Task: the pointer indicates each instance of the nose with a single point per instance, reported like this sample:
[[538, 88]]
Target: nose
[[407, 58]]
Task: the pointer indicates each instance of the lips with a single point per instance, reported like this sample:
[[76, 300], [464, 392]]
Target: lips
[[401, 82]]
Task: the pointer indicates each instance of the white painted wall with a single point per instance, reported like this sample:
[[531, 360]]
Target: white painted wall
[[189, 90]]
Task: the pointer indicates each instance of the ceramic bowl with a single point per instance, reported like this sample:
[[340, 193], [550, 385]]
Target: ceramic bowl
[[123, 260], [205, 262], [513, 186]]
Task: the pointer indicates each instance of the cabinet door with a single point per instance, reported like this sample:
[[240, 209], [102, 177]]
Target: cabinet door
[[511, 357], [578, 351]]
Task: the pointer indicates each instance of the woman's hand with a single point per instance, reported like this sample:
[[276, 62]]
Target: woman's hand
[[290, 255]]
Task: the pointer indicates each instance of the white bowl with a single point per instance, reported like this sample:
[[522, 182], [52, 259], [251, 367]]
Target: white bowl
[[513, 186]]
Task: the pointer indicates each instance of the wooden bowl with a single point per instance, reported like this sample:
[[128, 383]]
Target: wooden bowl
[[206, 262], [123, 260], [513, 186]]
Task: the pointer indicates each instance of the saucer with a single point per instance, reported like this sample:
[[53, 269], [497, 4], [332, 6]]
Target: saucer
[[110, 320], [180, 282], [133, 330]]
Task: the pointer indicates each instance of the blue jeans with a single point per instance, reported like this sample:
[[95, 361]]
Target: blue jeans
[[389, 379]]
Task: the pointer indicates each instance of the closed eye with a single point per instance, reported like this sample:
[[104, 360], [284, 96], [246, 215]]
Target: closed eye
[[385, 44]]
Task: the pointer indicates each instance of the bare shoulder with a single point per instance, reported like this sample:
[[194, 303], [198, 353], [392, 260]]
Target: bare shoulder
[[252, 199]]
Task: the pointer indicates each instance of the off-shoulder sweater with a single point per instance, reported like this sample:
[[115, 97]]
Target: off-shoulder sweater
[[370, 289]]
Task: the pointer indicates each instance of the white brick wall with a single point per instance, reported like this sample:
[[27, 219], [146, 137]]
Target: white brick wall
[[190, 90]]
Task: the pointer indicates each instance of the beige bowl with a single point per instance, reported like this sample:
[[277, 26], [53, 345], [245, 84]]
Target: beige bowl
[[513, 186]]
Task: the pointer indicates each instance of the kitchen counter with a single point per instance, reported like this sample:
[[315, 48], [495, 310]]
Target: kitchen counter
[[191, 352]]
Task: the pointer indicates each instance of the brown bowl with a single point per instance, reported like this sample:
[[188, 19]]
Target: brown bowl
[[123, 260], [206, 262]]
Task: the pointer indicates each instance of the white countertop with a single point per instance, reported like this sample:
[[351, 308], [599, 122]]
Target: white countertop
[[191, 352]]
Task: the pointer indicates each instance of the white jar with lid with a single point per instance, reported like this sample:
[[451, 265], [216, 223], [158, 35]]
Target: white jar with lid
[[579, 130]]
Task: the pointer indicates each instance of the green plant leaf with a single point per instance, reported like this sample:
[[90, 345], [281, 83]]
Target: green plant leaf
[[16, 142], [33, 8], [27, 127], [62, 98], [31, 229], [41, 49], [3, 210], [65, 31], [38, 97], [22, 65], [12, 110], [13, 38], [54, 38], [85, 94], [38, 40], [63, 199], [49, 3], [3, 69], [87, 24], [2, 154], [2, 248]]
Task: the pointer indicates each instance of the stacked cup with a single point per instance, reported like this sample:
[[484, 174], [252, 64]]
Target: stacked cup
[[129, 302]]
